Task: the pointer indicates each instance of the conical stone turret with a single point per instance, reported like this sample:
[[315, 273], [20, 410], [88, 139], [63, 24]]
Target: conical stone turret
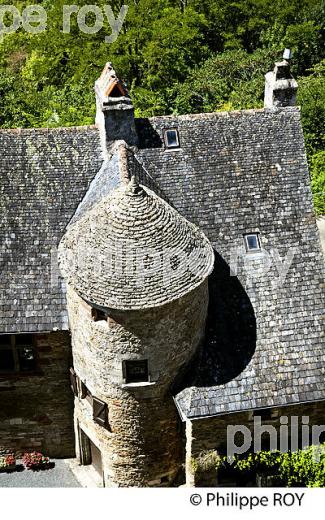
[[137, 301]]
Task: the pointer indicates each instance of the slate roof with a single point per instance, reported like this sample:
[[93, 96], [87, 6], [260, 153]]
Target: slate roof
[[265, 337], [234, 173], [146, 253], [43, 176]]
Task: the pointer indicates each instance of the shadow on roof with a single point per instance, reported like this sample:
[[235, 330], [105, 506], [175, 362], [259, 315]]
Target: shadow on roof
[[230, 339], [148, 136]]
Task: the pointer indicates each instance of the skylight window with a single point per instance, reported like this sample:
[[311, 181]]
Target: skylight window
[[171, 138], [252, 242]]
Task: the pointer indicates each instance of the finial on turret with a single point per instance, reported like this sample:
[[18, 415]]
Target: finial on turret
[[133, 188]]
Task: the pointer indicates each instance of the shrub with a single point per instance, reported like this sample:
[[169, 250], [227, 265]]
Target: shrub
[[206, 461], [305, 467], [317, 173]]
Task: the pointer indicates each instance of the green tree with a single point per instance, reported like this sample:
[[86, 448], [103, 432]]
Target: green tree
[[317, 173]]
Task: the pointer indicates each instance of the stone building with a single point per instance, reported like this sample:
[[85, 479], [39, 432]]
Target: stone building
[[190, 291]]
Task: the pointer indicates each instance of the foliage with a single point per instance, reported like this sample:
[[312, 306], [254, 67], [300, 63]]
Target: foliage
[[317, 173], [260, 461], [227, 81], [305, 467], [35, 460], [311, 97], [206, 461]]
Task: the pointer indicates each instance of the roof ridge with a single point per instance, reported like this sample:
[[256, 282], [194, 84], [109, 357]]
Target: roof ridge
[[201, 115], [45, 130], [224, 113]]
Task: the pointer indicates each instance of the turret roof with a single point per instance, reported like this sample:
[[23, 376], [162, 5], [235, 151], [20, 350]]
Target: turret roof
[[132, 250]]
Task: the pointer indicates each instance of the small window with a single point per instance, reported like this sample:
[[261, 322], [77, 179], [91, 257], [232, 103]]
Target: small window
[[136, 371], [98, 315], [171, 138], [17, 353], [89, 397], [264, 413], [83, 390], [85, 393], [252, 242], [100, 414], [74, 382]]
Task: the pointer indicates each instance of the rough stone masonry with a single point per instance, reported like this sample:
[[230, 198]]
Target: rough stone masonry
[[158, 371]]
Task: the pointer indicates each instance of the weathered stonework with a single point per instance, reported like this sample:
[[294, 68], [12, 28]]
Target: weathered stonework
[[145, 442], [36, 410], [233, 173], [280, 87], [115, 112], [146, 254]]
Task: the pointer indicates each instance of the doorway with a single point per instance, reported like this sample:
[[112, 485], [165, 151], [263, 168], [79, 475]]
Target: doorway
[[89, 453], [96, 458]]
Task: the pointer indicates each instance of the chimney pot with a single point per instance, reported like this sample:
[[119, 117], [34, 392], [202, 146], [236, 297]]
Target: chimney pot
[[115, 113], [287, 54], [280, 86]]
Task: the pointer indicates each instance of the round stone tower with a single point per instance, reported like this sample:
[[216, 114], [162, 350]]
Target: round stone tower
[[137, 300]]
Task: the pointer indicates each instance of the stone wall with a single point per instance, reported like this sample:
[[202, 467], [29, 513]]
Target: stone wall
[[211, 433], [36, 410], [144, 445]]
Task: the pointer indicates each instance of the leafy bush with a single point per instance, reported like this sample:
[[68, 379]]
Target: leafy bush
[[304, 467], [206, 461], [317, 173]]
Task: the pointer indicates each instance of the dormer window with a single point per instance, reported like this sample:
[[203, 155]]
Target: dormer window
[[252, 242], [171, 138]]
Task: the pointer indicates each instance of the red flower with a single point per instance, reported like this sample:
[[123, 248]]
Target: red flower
[[35, 459]]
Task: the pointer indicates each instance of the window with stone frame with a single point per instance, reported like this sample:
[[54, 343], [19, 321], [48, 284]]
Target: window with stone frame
[[84, 392], [74, 382], [17, 353], [136, 371], [98, 315]]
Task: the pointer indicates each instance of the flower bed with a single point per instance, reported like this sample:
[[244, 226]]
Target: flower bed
[[7, 463], [36, 460]]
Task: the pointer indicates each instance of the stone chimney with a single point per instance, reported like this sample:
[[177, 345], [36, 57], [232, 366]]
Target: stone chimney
[[115, 113], [280, 85]]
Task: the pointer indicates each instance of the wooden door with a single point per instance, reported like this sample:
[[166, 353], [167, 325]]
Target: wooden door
[[96, 458]]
